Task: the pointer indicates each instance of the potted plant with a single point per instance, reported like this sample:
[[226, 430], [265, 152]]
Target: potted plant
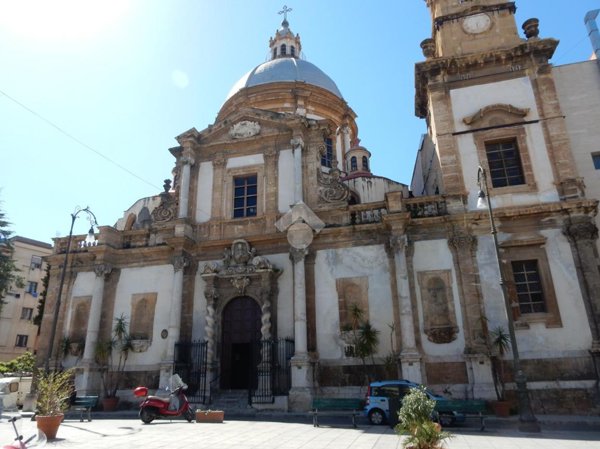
[[111, 356], [499, 345], [54, 390], [415, 421]]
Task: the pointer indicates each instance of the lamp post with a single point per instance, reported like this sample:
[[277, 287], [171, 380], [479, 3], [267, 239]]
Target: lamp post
[[89, 240], [527, 420]]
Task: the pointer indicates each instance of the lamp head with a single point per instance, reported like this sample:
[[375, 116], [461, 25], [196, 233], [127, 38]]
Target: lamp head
[[481, 200], [90, 238]]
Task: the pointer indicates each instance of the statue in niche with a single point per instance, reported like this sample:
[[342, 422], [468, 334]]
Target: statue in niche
[[439, 318]]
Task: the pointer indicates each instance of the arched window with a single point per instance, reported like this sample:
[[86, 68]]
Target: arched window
[[365, 163], [293, 50], [283, 50], [274, 53], [327, 156], [353, 164]]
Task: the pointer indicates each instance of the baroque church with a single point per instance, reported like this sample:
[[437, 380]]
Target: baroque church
[[274, 246]]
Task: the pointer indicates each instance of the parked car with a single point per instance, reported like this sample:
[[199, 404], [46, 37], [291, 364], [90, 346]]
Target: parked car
[[377, 407]]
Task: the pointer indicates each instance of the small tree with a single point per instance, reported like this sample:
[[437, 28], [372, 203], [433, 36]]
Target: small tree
[[8, 268], [111, 356], [416, 420], [499, 345], [24, 364], [364, 338], [41, 305]]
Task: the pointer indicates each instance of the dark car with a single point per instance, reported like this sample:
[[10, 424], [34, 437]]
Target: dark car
[[377, 405]]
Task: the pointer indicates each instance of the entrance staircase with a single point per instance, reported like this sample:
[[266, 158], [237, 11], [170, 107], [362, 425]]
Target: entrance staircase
[[233, 402]]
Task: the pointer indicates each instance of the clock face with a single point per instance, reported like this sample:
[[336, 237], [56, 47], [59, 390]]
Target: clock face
[[477, 23]]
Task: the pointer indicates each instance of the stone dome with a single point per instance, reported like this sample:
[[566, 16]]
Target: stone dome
[[285, 70]]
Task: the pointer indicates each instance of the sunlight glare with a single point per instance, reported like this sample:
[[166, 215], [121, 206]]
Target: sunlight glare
[[60, 19]]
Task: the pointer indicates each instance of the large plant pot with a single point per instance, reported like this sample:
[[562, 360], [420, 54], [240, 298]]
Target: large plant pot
[[49, 424], [501, 409], [110, 404], [210, 416]]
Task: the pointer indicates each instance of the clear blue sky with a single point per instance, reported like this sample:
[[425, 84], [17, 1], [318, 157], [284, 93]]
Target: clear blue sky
[[125, 77]]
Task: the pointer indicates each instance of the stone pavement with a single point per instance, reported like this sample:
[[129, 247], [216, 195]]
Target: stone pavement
[[242, 434]]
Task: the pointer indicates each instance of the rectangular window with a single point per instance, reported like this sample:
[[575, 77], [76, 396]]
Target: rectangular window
[[21, 341], [32, 288], [36, 262], [504, 163], [245, 196], [327, 156], [596, 160], [26, 313], [528, 286]]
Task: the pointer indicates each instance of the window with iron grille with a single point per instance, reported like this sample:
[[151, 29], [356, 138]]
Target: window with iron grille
[[327, 157], [504, 163], [21, 341], [596, 160], [245, 196], [26, 313], [528, 285]]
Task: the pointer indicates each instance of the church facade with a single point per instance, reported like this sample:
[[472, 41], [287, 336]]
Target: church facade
[[274, 250]]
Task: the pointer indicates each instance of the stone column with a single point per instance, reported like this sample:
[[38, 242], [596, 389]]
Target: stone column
[[179, 263], [582, 235], [90, 376], [300, 396], [410, 359], [187, 160], [210, 293], [219, 163], [346, 137], [298, 145]]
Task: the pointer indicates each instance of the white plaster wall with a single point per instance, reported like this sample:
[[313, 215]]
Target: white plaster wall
[[435, 255], [539, 341], [244, 161], [330, 264], [373, 189], [147, 280], [204, 192], [285, 180], [518, 92]]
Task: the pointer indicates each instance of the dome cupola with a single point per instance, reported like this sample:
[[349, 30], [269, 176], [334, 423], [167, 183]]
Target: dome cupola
[[285, 44]]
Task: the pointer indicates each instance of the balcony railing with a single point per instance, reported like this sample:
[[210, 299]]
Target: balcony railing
[[425, 206]]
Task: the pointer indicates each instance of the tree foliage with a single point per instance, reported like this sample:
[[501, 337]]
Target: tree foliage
[[8, 269], [37, 320], [24, 364]]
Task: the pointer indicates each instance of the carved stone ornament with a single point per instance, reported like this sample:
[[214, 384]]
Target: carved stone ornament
[[180, 262], [240, 283], [495, 109], [331, 188], [240, 259], [460, 239], [244, 129], [167, 209], [581, 231], [103, 269]]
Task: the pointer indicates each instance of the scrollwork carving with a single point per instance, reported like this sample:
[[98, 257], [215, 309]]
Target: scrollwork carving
[[180, 262], [298, 254], [581, 231], [103, 269], [331, 188]]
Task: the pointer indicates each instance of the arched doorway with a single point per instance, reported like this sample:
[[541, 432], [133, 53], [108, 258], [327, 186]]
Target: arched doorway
[[241, 327]]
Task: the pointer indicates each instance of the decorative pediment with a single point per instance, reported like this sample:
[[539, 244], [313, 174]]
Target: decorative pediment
[[496, 114], [239, 260]]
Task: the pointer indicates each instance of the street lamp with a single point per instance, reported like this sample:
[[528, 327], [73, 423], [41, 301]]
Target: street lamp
[[527, 420], [90, 240]]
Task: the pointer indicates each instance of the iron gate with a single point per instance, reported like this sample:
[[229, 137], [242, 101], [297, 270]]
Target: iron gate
[[273, 373], [190, 364]]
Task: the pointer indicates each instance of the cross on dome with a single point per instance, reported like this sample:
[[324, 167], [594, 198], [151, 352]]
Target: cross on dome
[[285, 44]]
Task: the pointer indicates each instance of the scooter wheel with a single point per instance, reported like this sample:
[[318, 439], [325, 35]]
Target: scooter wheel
[[146, 416], [189, 415]]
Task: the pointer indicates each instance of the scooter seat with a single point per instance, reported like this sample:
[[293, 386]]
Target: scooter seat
[[158, 398]]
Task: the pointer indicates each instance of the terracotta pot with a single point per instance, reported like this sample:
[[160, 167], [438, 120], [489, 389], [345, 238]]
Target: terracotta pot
[[110, 404], [49, 424], [210, 416], [501, 408]]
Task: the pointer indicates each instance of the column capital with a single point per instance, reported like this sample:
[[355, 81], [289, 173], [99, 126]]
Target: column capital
[[460, 239], [187, 158], [298, 254], [397, 243], [297, 141], [219, 161], [180, 262], [581, 231], [102, 269]]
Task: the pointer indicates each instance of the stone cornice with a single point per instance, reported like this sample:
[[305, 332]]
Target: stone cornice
[[439, 68]]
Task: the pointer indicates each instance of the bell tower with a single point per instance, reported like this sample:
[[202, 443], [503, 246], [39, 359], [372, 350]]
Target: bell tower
[[486, 92]]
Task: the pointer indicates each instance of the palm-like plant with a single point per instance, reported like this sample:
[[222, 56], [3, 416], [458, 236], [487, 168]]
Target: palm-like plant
[[54, 390], [112, 366], [499, 346]]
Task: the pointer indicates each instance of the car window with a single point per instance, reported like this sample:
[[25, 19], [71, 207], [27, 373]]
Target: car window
[[388, 391], [404, 390]]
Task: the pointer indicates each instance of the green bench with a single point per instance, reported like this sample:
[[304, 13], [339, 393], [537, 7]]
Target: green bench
[[336, 406], [470, 408], [84, 404]]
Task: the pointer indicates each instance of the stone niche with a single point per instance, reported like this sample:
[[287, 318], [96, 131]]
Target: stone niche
[[439, 317]]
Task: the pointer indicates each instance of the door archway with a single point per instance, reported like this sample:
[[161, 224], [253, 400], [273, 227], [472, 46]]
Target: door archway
[[240, 328]]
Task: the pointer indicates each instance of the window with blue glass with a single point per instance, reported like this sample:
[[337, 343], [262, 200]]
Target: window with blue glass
[[245, 196], [596, 160], [327, 156]]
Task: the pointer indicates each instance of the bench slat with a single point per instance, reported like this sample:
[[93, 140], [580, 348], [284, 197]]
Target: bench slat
[[336, 406], [84, 404]]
